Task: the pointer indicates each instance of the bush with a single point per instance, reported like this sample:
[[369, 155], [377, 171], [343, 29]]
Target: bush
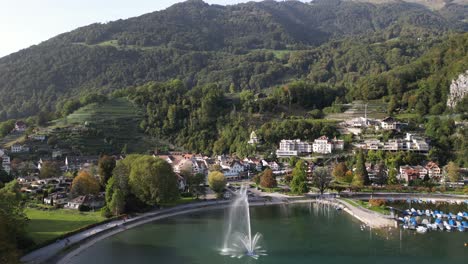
[[376, 202], [186, 194], [84, 208], [106, 212]]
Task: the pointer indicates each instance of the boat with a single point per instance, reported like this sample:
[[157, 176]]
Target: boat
[[421, 229], [461, 228]]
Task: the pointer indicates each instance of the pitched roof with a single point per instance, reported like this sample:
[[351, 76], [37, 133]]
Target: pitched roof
[[388, 119]]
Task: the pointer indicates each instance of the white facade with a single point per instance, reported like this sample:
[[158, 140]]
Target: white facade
[[6, 162], [16, 148], [409, 143], [321, 145], [325, 146], [234, 171], [388, 123], [253, 138], [290, 148]]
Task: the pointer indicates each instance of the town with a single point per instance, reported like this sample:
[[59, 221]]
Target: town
[[48, 179]]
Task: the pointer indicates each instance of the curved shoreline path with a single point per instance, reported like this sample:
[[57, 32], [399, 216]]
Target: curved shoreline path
[[372, 219], [54, 253]]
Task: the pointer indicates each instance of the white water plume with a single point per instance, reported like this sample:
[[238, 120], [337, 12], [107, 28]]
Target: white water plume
[[238, 240]]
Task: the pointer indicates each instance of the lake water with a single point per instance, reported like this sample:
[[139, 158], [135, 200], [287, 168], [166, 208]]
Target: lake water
[[299, 233]]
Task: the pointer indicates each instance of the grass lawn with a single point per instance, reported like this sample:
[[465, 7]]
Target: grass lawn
[[182, 200], [47, 225]]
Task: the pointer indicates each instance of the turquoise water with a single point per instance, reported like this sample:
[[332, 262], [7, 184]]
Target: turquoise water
[[301, 233]]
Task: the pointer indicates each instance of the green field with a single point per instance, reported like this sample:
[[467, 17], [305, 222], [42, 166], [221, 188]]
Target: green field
[[47, 225]]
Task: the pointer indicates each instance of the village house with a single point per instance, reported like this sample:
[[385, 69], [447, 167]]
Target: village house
[[17, 148], [234, 170], [90, 201], [410, 173], [6, 162], [325, 146], [388, 123], [192, 164], [56, 199], [76, 163], [253, 164], [433, 170], [20, 126], [274, 166]]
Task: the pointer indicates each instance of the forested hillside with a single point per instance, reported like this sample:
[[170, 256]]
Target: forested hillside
[[252, 46]]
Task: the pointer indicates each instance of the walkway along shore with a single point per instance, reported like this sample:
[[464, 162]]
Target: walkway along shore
[[56, 252]]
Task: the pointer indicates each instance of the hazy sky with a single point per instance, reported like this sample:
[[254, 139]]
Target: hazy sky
[[27, 22]]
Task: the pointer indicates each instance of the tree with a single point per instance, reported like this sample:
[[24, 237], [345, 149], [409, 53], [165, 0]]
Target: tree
[[267, 179], [4, 176], [321, 179], [299, 181], [196, 184], [453, 171], [153, 181], [12, 223], [50, 169], [26, 168], [360, 174], [339, 171], [380, 177], [392, 179], [106, 165], [292, 161], [84, 184], [117, 203], [217, 182], [392, 105]]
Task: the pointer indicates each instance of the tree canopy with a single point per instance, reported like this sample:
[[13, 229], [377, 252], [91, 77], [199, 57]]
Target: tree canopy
[[84, 183], [153, 181], [217, 182]]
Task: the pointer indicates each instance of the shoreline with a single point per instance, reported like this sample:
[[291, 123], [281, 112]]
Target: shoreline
[[57, 253]]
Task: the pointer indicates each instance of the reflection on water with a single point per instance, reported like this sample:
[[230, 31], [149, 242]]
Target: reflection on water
[[293, 233]]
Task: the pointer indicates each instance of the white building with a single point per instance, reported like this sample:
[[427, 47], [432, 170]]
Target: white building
[[56, 199], [409, 143], [290, 148], [388, 123], [325, 146], [17, 148], [253, 138], [234, 171], [6, 162]]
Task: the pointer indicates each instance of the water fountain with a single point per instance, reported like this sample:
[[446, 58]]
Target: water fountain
[[238, 240]]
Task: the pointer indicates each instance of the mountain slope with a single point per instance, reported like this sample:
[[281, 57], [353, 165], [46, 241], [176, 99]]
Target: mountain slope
[[197, 43]]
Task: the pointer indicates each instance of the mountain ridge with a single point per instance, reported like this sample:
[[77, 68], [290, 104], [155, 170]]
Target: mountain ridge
[[186, 39]]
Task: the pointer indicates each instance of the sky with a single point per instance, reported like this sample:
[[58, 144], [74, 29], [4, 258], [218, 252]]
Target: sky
[[28, 22]]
